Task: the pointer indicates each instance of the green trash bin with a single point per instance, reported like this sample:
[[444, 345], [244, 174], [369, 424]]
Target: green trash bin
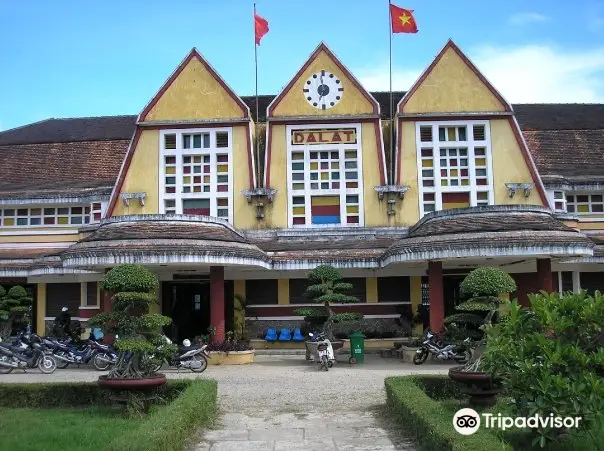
[[357, 347]]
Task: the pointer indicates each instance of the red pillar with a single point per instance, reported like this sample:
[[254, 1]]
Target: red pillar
[[544, 274], [437, 305], [106, 301], [217, 301]]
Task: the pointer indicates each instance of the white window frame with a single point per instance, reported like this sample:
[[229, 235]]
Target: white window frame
[[307, 193], [553, 200], [589, 203], [69, 215], [436, 145], [179, 196]]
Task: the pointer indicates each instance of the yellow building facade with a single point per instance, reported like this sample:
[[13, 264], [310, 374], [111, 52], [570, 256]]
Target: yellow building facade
[[220, 203]]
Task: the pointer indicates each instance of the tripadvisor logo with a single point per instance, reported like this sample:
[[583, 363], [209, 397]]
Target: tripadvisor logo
[[468, 421]]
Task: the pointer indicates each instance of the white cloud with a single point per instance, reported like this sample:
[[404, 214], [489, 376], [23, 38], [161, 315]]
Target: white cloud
[[527, 18], [523, 74]]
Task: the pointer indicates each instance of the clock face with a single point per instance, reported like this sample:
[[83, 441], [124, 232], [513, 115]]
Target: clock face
[[323, 90]]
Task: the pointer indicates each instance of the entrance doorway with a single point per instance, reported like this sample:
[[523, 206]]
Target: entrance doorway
[[188, 304]]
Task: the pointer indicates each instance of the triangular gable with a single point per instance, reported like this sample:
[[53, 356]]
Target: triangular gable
[[194, 91], [452, 84], [355, 99]]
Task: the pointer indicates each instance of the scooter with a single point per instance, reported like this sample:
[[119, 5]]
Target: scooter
[[325, 355], [433, 345], [18, 357], [194, 358]]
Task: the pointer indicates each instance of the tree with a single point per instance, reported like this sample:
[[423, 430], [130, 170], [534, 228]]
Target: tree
[[326, 288], [14, 308], [551, 360], [139, 332]]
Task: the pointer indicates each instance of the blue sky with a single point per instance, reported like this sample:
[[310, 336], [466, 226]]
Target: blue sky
[[82, 58]]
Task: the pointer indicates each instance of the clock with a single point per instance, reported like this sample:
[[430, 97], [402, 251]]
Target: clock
[[323, 90]]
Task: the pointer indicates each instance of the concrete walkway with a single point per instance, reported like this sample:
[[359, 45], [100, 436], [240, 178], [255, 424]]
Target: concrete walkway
[[284, 402]]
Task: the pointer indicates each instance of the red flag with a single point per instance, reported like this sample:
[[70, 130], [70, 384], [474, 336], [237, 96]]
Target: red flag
[[260, 27], [402, 20]]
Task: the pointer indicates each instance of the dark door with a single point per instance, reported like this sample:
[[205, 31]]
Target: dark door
[[188, 304]]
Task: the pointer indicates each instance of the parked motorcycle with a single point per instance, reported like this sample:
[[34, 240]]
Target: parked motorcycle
[[433, 345], [194, 358], [325, 356], [67, 353], [24, 356], [104, 357]]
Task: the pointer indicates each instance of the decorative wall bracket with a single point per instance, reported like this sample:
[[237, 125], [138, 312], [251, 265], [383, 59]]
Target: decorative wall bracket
[[127, 196], [391, 192], [513, 187], [260, 196]]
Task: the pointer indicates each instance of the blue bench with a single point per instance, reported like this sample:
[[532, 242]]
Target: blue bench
[[285, 335], [271, 334]]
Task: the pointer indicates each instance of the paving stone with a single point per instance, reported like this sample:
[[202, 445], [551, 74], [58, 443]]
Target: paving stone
[[203, 446], [277, 434], [365, 444], [258, 445], [226, 434], [305, 445]]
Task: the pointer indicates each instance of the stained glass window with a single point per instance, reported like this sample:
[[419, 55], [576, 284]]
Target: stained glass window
[[197, 172], [585, 203], [325, 182], [453, 165], [45, 216]]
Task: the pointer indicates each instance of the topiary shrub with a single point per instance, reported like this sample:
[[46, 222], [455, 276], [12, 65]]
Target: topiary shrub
[[138, 330], [483, 284], [551, 360], [15, 307], [326, 288]]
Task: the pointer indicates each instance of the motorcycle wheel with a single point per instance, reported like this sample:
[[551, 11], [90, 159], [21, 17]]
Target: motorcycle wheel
[[420, 358], [99, 364], [157, 367], [61, 364], [5, 369], [47, 364], [203, 361]]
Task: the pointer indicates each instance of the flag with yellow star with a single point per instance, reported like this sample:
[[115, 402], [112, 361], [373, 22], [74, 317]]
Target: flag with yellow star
[[402, 20]]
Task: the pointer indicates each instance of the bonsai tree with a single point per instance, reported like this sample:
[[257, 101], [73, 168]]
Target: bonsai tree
[[486, 289], [326, 288], [138, 331], [14, 309], [550, 359]]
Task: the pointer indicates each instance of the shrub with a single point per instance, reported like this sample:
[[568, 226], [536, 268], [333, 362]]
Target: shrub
[[15, 306], [171, 426], [551, 359], [427, 421], [139, 331], [487, 282]]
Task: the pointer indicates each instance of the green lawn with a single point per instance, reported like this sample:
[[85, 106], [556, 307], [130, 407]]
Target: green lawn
[[62, 429]]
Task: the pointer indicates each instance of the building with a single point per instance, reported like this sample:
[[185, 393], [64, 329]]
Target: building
[[218, 201]]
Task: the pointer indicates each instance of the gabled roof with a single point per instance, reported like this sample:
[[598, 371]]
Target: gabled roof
[[450, 45], [322, 47], [193, 54]]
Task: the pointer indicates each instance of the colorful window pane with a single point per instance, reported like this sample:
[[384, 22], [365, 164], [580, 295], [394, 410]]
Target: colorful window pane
[[585, 203]]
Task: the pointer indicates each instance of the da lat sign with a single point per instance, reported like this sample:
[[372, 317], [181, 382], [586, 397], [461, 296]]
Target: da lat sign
[[329, 136]]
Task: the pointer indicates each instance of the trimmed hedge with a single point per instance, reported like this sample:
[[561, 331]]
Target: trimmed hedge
[[428, 421], [67, 394], [168, 428], [171, 426]]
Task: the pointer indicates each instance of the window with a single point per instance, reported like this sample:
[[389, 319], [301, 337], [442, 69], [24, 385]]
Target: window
[[585, 203], [454, 165], [559, 201], [262, 291], [325, 176], [196, 172], [45, 216]]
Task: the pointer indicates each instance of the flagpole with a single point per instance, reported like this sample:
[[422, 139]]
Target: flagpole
[[391, 115], [257, 109]]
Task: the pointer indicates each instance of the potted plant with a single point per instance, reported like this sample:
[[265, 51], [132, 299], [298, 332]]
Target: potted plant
[[486, 289], [231, 351], [139, 340], [14, 308], [326, 288]]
